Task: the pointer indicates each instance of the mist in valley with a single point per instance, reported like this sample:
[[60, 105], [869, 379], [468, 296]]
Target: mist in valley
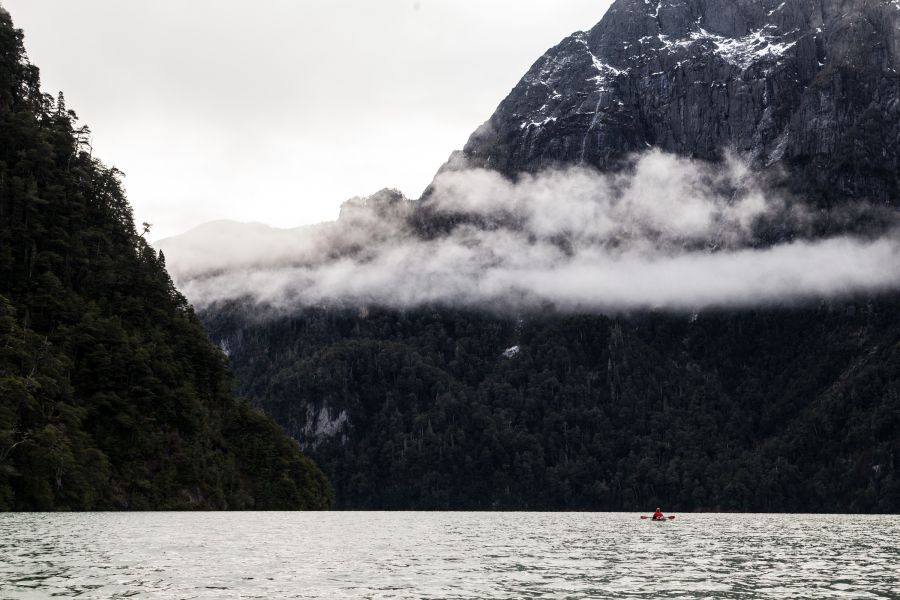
[[666, 233]]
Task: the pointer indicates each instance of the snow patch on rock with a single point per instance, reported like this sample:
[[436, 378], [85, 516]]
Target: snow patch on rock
[[605, 71], [750, 49], [537, 123], [743, 52]]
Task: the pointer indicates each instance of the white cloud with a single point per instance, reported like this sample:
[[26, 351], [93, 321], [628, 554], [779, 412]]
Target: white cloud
[[669, 233]]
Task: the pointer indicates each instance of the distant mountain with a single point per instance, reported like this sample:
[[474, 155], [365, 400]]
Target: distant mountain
[[111, 395], [791, 407], [219, 246]]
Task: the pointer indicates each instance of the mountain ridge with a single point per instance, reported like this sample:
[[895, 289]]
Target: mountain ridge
[[770, 408]]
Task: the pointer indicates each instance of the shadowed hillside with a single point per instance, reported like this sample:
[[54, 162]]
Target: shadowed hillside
[[111, 396]]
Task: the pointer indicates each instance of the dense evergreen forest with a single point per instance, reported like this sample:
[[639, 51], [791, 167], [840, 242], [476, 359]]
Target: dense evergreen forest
[[779, 409], [111, 396]]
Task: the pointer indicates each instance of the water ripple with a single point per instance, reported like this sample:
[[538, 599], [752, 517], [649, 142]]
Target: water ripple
[[446, 556]]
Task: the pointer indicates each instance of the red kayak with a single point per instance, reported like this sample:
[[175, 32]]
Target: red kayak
[[672, 518]]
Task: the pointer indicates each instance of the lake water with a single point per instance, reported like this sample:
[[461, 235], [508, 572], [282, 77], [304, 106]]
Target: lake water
[[446, 555]]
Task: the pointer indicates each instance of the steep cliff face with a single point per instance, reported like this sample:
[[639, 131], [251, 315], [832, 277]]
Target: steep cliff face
[[811, 86]]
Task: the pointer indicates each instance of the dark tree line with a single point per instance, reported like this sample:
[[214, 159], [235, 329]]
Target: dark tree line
[[111, 395], [771, 410]]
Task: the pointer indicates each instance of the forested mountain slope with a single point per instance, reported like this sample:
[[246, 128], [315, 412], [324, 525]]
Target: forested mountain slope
[[769, 405], [775, 410], [111, 396]]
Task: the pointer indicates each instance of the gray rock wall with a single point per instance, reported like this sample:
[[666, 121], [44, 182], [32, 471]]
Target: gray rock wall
[[811, 86]]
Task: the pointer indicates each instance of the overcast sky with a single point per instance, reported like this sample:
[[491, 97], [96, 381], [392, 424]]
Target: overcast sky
[[279, 110]]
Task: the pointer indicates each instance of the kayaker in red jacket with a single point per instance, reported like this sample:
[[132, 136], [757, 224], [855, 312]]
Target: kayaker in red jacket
[[658, 516]]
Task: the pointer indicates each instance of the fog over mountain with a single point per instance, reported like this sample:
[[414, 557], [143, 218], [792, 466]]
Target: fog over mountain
[[746, 155], [667, 233], [666, 267]]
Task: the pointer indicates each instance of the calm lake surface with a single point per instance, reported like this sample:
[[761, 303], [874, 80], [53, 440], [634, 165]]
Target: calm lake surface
[[446, 555]]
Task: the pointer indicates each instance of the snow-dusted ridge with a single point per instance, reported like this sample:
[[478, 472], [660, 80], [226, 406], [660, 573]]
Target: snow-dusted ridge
[[765, 45], [544, 82]]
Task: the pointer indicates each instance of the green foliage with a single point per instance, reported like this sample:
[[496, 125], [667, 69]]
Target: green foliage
[[111, 395], [774, 410]]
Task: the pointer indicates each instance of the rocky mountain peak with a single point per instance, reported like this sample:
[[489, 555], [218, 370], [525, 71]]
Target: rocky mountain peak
[[807, 85], [387, 203]]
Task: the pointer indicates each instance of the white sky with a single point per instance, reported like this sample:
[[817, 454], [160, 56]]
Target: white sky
[[278, 110]]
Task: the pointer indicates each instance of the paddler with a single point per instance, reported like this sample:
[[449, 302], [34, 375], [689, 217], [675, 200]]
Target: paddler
[[658, 516]]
